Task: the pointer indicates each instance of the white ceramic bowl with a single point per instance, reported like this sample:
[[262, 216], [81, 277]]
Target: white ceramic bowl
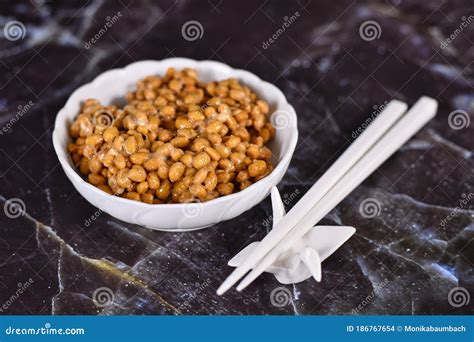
[[113, 84]]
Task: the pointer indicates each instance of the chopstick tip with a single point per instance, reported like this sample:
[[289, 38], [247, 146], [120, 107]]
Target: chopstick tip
[[225, 286], [220, 291], [243, 284], [430, 102]]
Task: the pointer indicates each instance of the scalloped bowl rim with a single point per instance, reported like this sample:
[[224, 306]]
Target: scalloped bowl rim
[[284, 160]]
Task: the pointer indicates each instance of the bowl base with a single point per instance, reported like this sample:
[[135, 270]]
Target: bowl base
[[177, 230]]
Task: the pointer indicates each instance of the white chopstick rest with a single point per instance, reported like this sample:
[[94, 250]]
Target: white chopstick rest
[[303, 260], [422, 112], [391, 113]]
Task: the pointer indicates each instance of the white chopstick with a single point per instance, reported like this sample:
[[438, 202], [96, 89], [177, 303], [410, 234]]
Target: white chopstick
[[391, 113], [422, 112], [354, 152]]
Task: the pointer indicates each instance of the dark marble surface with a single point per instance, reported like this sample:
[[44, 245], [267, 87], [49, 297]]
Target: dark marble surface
[[405, 260]]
